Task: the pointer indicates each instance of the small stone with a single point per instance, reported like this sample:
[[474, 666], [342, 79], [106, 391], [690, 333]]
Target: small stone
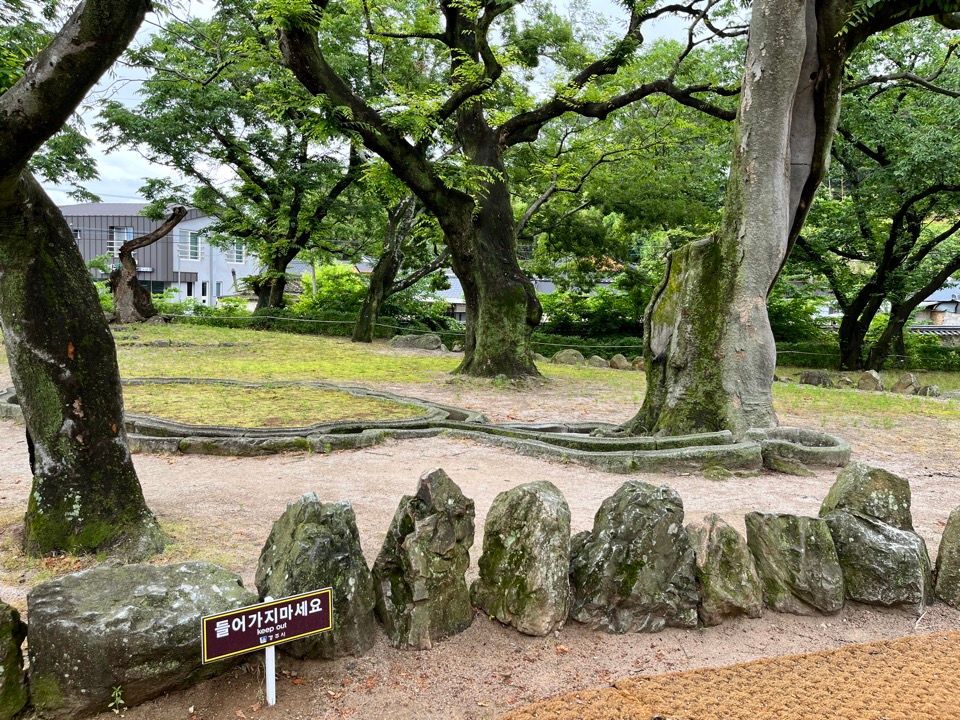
[[797, 563], [639, 363], [568, 356], [443, 348], [786, 465], [818, 378], [717, 473], [845, 382], [598, 362], [906, 385], [635, 571], [314, 545], [537, 357], [456, 347], [132, 626], [870, 492], [419, 576], [882, 565], [427, 341], [619, 362], [726, 572], [524, 569], [870, 381], [948, 562], [13, 682], [930, 391]]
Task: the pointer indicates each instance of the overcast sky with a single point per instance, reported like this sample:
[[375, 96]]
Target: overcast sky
[[122, 172]]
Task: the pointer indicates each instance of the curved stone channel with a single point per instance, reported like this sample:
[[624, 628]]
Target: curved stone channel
[[581, 443]]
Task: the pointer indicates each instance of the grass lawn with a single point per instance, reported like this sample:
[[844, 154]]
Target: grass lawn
[[259, 407], [210, 352]]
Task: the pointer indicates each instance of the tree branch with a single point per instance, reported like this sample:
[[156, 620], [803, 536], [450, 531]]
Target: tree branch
[[57, 80], [412, 279], [176, 215]]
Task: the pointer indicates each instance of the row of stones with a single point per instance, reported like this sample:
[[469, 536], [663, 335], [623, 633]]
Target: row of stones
[[870, 381], [637, 570], [570, 356]]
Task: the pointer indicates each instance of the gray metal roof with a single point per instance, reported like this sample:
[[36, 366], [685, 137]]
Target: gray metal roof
[[113, 210], [941, 330]]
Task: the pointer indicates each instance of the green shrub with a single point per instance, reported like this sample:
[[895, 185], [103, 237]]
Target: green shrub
[[604, 313]]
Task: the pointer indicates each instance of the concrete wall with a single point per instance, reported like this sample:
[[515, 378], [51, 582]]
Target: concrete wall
[[211, 276]]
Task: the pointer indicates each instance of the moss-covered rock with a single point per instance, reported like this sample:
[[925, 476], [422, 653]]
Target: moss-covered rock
[[870, 381], [619, 362], [13, 685], [817, 378], [597, 362], [726, 572], [315, 545], [871, 492], [568, 356], [906, 385], [797, 563], [635, 571], [524, 569], [882, 565], [419, 576], [948, 562], [136, 627]]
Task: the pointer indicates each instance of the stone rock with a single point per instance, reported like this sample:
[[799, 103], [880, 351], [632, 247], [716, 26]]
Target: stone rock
[[13, 683], [598, 362], [428, 341], [456, 347], [797, 563], [819, 378], [906, 385], [619, 362], [524, 569], [726, 572], [639, 363], [136, 627], [870, 492], [930, 391], [537, 357], [948, 562], [845, 382], [568, 357], [777, 462], [443, 348], [155, 320], [419, 581], [882, 565], [635, 571], [871, 381], [314, 545]]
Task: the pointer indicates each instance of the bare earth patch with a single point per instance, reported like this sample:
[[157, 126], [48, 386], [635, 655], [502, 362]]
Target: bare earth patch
[[222, 509]]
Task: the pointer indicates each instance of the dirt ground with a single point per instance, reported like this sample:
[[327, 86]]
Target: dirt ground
[[223, 508]]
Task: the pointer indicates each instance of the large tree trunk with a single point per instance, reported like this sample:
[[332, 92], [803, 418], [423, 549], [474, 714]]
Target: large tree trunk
[[85, 495], [892, 335], [270, 290], [709, 348], [132, 302], [502, 305]]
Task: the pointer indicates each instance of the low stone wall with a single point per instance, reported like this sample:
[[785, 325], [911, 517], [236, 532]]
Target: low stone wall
[[598, 445], [639, 569]]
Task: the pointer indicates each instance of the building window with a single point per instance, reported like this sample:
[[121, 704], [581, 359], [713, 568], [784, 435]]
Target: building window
[[203, 289], [118, 236], [235, 252], [189, 245], [77, 234], [219, 288], [189, 289]]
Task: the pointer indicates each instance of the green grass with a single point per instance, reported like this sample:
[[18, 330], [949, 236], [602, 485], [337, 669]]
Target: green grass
[[212, 404]]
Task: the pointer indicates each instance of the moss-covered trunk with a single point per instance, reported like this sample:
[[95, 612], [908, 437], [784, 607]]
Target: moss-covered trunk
[[383, 276], [269, 289], [86, 496], [709, 349], [502, 305]]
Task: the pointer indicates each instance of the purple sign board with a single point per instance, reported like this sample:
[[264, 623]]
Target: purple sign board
[[269, 623]]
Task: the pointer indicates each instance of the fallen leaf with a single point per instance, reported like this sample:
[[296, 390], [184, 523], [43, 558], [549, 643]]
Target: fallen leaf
[[297, 681], [562, 649]]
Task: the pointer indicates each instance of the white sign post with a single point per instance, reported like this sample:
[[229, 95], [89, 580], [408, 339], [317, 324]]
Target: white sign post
[[270, 669]]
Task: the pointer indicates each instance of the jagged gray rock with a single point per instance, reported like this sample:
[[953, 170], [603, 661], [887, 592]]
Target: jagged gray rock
[[870, 492], [619, 362], [797, 563], [524, 569], [132, 626], [882, 565], [568, 356], [929, 391], [635, 571], [13, 682], [948, 562], [726, 572], [314, 545], [906, 385], [818, 378], [421, 591], [870, 381], [428, 341]]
